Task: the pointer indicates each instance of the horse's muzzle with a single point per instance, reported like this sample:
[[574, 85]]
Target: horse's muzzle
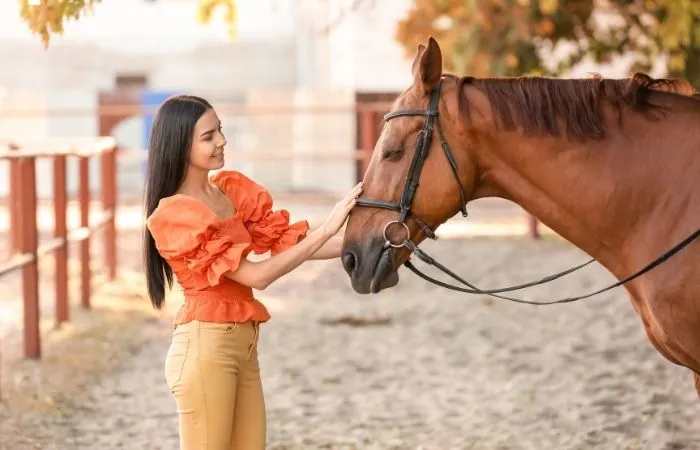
[[371, 268]]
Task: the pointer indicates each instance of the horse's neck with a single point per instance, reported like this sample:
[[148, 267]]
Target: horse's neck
[[598, 195]]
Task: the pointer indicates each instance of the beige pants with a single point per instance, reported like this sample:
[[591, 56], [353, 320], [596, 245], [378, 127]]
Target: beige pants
[[212, 370]]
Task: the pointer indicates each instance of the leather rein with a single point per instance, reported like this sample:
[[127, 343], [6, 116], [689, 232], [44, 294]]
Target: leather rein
[[432, 121]]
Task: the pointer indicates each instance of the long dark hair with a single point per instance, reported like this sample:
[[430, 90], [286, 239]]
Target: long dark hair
[[168, 157]]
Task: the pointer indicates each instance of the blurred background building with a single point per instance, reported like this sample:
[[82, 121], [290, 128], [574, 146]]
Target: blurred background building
[[138, 52], [287, 86]]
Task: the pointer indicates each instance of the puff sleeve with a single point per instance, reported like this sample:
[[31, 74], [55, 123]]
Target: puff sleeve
[[184, 230], [269, 229], [274, 232]]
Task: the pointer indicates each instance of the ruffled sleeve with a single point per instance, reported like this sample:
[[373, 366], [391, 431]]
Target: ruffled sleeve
[[274, 232], [270, 230], [185, 230]]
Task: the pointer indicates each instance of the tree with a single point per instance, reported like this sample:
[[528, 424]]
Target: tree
[[492, 37], [207, 7], [47, 17], [651, 29], [500, 37]]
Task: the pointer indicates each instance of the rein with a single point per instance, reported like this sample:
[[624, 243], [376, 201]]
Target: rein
[[472, 289], [404, 209]]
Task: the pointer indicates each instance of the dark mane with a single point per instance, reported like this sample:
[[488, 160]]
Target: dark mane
[[541, 106]]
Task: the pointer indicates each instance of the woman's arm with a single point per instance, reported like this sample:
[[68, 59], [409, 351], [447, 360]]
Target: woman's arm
[[330, 250], [260, 274]]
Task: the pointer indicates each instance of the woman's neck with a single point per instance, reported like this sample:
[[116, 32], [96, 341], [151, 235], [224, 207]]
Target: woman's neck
[[196, 182]]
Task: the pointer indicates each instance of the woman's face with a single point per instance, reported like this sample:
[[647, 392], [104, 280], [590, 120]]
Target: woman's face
[[207, 152]]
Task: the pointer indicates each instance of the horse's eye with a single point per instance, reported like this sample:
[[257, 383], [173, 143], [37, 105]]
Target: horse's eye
[[392, 155]]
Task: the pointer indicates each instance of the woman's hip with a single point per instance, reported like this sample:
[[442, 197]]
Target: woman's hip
[[198, 345]]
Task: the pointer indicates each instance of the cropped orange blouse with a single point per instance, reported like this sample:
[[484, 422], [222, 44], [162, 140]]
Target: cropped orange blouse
[[200, 247]]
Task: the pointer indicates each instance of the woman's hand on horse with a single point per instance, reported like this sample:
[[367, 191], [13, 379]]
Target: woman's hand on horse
[[340, 212]]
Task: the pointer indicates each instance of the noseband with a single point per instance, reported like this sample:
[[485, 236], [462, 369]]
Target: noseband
[[425, 136]]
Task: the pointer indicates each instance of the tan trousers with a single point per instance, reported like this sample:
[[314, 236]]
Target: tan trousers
[[212, 370]]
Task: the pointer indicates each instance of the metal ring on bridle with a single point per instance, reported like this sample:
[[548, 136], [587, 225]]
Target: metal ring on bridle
[[386, 238]]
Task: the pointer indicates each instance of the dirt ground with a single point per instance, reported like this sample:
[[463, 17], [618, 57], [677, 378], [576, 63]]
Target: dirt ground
[[415, 367]]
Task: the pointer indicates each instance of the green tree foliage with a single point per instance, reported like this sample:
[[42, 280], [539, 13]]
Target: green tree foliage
[[492, 37], [499, 37]]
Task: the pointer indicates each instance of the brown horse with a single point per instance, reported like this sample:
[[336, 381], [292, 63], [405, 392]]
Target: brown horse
[[613, 166]]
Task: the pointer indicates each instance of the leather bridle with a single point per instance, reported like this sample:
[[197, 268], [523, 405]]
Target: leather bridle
[[425, 137], [432, 121]]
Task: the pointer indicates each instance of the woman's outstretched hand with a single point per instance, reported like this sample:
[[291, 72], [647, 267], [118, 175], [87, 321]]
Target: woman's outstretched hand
[[340, 212]]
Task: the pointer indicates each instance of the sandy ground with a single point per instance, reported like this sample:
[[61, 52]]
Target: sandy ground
[[415, 367]]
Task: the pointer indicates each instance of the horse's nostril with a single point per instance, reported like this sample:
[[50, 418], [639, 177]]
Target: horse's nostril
[[349, 260]]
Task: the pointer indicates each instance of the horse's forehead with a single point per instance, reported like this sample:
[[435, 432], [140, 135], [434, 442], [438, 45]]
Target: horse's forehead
[[407, 98]]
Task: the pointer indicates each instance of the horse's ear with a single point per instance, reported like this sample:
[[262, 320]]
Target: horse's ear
[[427, 67], [416, 60]]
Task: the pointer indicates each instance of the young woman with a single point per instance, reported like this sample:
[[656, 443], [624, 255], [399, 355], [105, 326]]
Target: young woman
[[201, 228]]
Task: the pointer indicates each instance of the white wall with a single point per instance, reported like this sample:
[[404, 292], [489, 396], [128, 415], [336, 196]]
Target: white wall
[[359, 52]]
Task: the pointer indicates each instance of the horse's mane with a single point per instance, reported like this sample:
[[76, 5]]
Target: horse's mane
[[540, 106]]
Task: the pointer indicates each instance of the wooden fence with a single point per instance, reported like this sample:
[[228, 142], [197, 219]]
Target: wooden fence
[[25, 247]]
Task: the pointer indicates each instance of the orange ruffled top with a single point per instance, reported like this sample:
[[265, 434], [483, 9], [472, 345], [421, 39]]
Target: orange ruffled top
[[201, 248]]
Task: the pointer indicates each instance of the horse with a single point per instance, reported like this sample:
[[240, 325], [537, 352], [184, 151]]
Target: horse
[[607, 164]]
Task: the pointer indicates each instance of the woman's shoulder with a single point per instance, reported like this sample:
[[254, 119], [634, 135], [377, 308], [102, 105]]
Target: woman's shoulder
[[229, 179], [179, 209], [247, 195]]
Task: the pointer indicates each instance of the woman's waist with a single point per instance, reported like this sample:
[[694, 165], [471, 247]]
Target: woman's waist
[[218, 308], [228, 292]]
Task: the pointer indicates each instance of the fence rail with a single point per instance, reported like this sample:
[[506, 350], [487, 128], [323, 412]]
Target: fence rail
[[24, 242], [224, 109]]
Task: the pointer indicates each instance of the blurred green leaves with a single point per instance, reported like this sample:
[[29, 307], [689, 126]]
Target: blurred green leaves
[[499, 37]]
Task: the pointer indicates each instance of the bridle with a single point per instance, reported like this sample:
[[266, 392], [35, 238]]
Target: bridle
[[422, 147], [403, 207]]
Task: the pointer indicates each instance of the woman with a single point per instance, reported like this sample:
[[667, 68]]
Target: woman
[[201, 228]]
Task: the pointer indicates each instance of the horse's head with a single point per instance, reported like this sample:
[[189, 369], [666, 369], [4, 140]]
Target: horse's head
[[412, 147]]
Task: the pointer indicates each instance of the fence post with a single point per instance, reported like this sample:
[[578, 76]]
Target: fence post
[[84, 200], [15, 189], [60, 231], [28, 243], [109, 203]]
